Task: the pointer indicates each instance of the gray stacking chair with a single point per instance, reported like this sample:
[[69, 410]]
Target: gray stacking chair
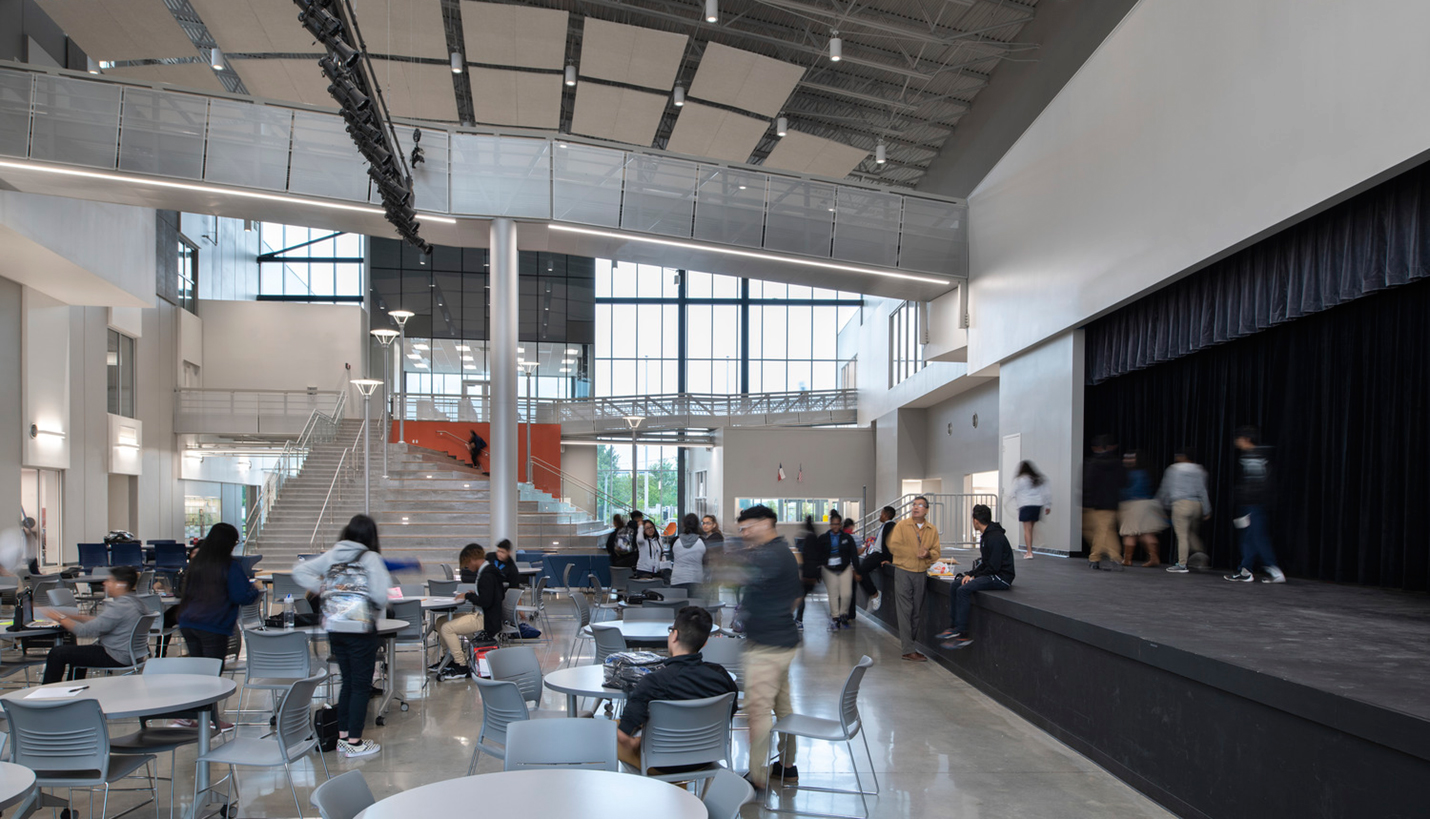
[[138, 647], [157, 632], [342, 797], [145, 584], [567, 744], [725, 794], [537, 607], [687, 732], [275, 660], [413, 589], [446, 571], [502, 705], [728, 652], [600, 596], [284, 585], [520, 665], [410, 611], [620, 576], [156, 739], [608, 639], [658, 614], [635, 586], [442, 588], [294, 738], [67, 746], [844, 729], [582, 632]]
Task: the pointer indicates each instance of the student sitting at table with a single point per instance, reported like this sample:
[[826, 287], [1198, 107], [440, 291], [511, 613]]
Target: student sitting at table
[[488, 601], [111, 628], [503, 562], [685, 676]]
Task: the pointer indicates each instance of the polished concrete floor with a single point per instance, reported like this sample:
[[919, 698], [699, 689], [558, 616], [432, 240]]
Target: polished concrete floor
[[940, 748]]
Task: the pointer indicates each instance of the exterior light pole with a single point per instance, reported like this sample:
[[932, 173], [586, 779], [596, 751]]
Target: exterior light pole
[[401, 317], [366, 386], [385, 337], [633, 421], [528, 367]]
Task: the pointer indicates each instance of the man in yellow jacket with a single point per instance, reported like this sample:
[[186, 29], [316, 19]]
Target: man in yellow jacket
[[914, 546]]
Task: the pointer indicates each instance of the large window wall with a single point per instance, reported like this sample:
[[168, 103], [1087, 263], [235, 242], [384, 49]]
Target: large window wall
[[309, 264]]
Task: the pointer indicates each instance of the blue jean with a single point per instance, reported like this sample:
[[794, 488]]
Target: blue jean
[[1255, 539], [961, 601]]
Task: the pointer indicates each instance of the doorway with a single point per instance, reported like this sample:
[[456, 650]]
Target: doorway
[[40, 515]]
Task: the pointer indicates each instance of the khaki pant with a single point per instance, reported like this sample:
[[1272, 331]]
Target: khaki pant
[[840, 586], [1099, 527], [766, 689], [1186, 525], [455, 629]]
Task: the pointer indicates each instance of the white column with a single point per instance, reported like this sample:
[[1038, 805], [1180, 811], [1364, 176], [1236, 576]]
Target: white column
[[503, 443]]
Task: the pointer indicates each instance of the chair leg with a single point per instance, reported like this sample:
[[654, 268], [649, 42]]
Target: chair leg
[[104, 806], [326, 775], [476, 757], [294, 788], [154, 787], [173, 774], [858, 782], [872, 772]]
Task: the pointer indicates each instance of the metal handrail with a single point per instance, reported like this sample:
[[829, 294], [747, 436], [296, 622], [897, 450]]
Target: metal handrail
[[950, 513], [450, 435], [334, 484], [597, 495], [289, 463]]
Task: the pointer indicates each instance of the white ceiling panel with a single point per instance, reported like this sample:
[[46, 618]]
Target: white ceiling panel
[[405, 28], [121, 29], [416, 89], [501, 34], [744, 80], [816, 156], [630, 54], [702, 130], [619, 114], [188, 75], [256, 26], [519, 98], [290, 80]]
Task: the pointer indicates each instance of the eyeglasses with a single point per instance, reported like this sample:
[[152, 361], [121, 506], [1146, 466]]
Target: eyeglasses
[[670, 630]]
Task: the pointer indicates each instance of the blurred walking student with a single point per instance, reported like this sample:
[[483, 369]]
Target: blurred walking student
[[1139, 513], [475, 445], [1253, 504], [215, 586], [621, 544], [803, 544], [1184, 494], [1102, 481], [832, 555], [1033, 498]]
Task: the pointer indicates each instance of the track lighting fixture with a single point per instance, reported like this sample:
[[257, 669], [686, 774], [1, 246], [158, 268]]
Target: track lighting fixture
[[781, 126], [836, 47], [571, 74], [216, 59], [93, 66]]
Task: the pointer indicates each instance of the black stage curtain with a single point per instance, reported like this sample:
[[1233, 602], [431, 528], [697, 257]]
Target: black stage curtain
[[1375, 240], [1344, 398]]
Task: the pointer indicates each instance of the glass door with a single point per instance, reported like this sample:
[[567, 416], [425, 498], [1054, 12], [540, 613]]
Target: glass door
[[40, 515]]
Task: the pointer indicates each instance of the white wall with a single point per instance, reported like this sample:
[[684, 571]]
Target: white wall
[[876, 397], [269, 345], [1195, 128], [578, 462], [955, 446], [228, 266], [838, 463], [160, 498], [77, 251], [87, 507], [45, 345], [12, 427], [1040, 399]]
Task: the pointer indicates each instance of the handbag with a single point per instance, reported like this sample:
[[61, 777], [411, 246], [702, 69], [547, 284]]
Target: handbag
[[325, 725]]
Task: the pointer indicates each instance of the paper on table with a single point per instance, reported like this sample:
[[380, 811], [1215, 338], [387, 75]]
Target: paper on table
[[56, 693]]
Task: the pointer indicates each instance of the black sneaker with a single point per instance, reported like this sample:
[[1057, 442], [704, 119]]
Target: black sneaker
[[437, 666], [957, 643], [455, 672], [788, 776], [1242, 576]]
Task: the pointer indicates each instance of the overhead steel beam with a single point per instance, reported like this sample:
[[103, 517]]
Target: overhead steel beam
[[900, 30]]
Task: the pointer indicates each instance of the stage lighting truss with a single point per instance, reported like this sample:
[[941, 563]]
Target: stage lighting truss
[[350, 77]]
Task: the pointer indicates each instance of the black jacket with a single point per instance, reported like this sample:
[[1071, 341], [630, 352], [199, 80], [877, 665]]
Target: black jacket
[[619, 560], [772, 588], [488, 596], [510, 576], [818, 553], [1102, 480], [687, 677], [997, 554], [1253, 476]]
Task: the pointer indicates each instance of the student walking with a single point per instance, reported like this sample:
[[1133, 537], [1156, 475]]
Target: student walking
[[1253, 500], [475, 445], [1184, 494], [1140, 515], [215, 586], [353, 582], [1102, 481], [833, 554], [1033, 498]]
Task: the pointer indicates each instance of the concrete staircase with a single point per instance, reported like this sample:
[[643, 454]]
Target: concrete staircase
[[428, 508]]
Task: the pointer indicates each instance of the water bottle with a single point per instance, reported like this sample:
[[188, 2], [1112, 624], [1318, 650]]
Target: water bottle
[[289, 613]]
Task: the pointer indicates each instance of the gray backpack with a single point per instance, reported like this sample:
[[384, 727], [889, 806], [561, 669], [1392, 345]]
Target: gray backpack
[[347, 608]]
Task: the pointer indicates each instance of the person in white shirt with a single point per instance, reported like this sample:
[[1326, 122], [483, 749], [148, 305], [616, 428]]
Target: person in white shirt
[[688, 557], [1033, 498], [650, 551]]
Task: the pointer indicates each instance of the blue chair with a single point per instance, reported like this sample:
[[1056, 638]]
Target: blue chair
[[92, 555], [249, 562], [126, 554], [170, 558]]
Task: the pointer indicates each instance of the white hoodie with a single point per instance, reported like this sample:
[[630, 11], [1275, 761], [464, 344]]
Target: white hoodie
[[309, 574]]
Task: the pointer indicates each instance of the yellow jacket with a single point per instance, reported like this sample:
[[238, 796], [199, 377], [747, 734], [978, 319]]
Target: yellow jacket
[[906, 541]]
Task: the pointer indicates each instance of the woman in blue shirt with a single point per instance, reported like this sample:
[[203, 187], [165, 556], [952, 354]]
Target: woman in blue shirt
[[215, 585], [1140, 515]]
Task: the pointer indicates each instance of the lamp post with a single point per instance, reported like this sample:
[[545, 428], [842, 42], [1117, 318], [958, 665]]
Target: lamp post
[[633, 421], [401, 317], [385, 337], [366, 386], [528, 367]]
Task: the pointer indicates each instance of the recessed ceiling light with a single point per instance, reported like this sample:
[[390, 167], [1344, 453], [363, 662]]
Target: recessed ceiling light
[[415, 356], [468, 358], [573, 351], [464, 348], [469, 367], [421, 365], [420, 346], [521, 349]]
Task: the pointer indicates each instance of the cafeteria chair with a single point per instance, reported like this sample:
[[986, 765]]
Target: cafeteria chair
[[502, 705], [537, 608], [442, 588], [845, 729], [67, 746], [446, 571], [608, 639], [637, 586], [413, 589], [342, 797], [284, 585], [687, 732], [510, 631], [656, 614], [126, 553], [600, 596], [293, 738], [150, 739], [518, 664], [275, 660], [725, 794], [410, 611], [727, 652], [145, 584], [170, 558], [160, 633], [251, 614], [567, 744], [138, 647], [583, 628], [249, 563], [620, 576], [62, 598], [92, 555]]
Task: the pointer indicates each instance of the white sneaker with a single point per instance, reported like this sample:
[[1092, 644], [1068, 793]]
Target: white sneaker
[[1177, 568], [1242, 576], [875, 601], [1274, 575], [362, 747]]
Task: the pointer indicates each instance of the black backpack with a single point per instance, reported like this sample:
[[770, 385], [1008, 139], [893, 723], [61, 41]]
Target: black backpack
[[325, 725]]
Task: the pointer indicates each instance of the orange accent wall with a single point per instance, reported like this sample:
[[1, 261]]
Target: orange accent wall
[[545, 444]]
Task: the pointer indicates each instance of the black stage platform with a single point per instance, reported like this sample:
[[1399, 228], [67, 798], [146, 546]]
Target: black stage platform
[[1216, 699]]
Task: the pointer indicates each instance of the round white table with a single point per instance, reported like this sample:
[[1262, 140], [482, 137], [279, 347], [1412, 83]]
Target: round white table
[[137, 695], [546, 794], [386, 629], [16, 783], [581, 681], [645, 632]]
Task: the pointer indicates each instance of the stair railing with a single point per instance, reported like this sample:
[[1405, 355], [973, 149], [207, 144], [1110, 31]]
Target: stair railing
[[319, 428], [951, 514], [597, 504], [342, 475]]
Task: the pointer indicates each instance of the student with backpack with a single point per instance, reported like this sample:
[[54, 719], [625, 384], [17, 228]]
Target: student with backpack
[[621, 544], [352, 581]]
